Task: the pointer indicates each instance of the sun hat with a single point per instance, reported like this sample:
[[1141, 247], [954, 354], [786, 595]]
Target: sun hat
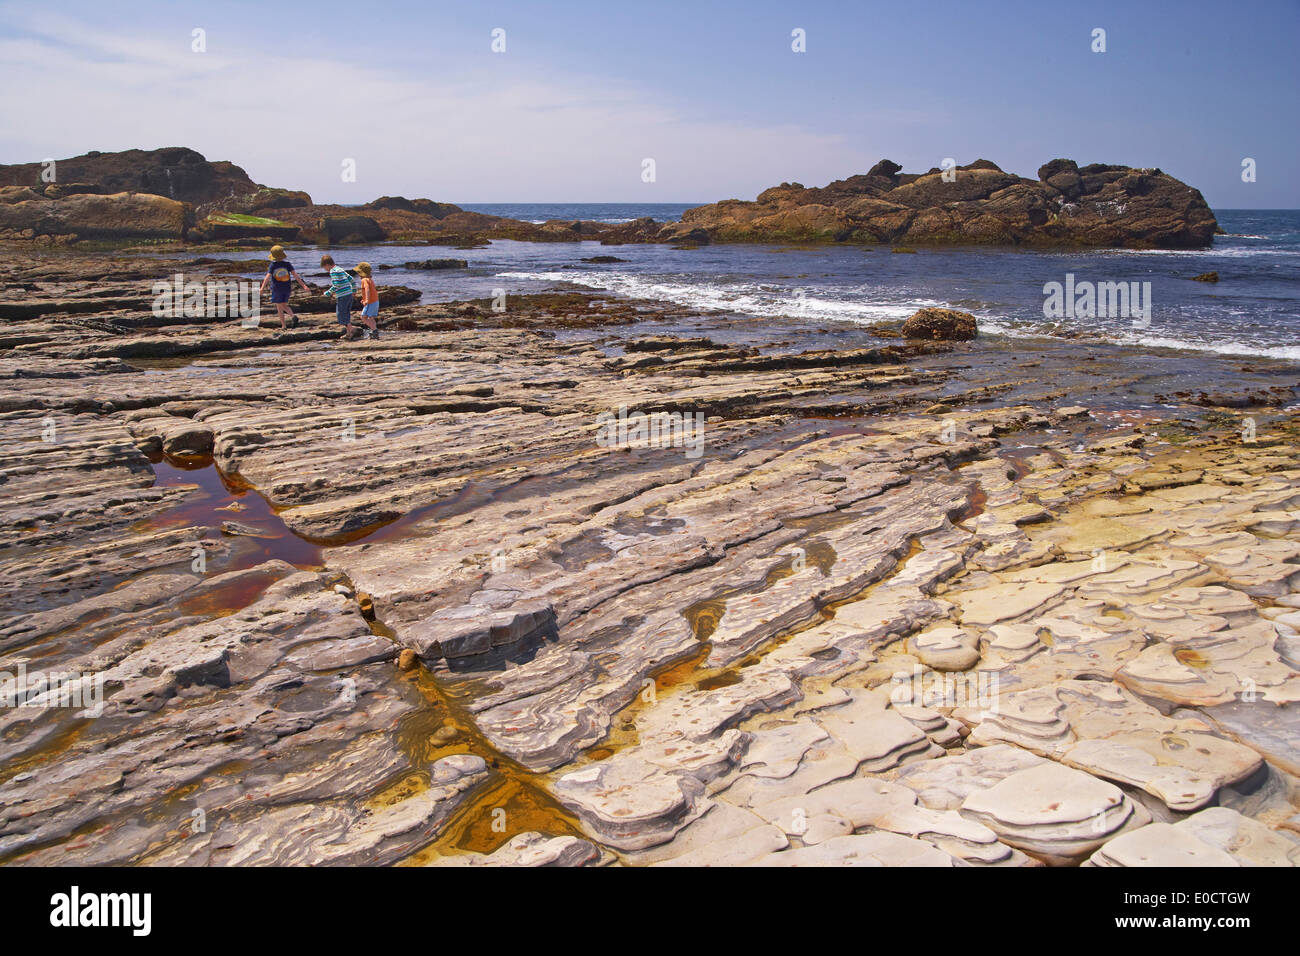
[[277, 252], [364, 268]]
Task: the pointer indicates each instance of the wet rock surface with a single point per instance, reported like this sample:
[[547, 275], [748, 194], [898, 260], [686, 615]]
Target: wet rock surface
[[443, 598]]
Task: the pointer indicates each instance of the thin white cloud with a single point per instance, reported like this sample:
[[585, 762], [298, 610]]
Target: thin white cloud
[[490, 131]]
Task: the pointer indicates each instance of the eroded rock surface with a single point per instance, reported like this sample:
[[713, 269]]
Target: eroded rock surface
[[420, 601]]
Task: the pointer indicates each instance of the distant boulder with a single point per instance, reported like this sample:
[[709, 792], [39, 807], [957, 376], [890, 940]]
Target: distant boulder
[[886, 168], [390, 202], [437, 264], [1206, 277], [350, 229], [269, 198], [425, 207], [1050, 169]]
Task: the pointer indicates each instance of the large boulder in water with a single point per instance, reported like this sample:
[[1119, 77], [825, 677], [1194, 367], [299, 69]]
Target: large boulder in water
[[940, 325]]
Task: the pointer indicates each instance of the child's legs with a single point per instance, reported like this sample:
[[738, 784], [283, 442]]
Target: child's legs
[[370, 315], [282, 311]]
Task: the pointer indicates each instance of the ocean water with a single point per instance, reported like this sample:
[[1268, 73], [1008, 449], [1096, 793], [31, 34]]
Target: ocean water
[[593, 211], [1254, 310]]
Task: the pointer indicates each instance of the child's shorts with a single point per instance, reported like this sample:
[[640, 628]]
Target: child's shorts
[[371, 309], [343, 309], [278, 294]]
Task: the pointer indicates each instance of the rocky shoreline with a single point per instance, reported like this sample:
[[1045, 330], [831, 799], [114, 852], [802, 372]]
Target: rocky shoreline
[[176, 195], [399, 602]]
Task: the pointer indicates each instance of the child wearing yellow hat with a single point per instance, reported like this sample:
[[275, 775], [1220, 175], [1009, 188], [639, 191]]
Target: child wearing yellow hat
[[280, 275], [369, 301]]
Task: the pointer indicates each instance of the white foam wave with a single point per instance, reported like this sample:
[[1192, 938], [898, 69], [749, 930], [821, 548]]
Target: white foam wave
[[766, 301], [608, 222], [1284, 352], [1204, 253], [747, 298]]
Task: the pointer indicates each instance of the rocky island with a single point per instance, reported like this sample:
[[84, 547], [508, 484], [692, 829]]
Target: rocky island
[[1092, 206]]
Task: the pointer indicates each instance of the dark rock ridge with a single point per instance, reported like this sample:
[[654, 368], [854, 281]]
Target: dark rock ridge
[[175, 172], [1068, 205], [438, 264]]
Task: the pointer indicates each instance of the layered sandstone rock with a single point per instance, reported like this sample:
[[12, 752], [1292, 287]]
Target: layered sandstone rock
[[411, 608]]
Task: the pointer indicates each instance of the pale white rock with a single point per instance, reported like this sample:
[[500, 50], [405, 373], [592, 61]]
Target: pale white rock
[[776, 752], [944, 784], [946, 648], [1247, 841], [725, 835], [1054, 813], [1159, 844], [869, 849], [992, 605], [1105, 730]]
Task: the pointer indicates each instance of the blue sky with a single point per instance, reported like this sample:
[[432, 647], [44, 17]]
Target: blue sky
[[712, 91]]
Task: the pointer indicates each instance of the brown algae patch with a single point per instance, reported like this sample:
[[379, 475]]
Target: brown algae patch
[[512, 801]]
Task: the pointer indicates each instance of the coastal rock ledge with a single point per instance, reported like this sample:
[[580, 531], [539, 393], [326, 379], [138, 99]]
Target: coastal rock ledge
[[1068, 205]]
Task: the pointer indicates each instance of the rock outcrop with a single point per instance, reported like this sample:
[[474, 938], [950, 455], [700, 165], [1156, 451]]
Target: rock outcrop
[[89, 216], [175, 172], [226, 225], [1096, 205]]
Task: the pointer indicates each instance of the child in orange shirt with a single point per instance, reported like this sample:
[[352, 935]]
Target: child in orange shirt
[[369, 301]]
